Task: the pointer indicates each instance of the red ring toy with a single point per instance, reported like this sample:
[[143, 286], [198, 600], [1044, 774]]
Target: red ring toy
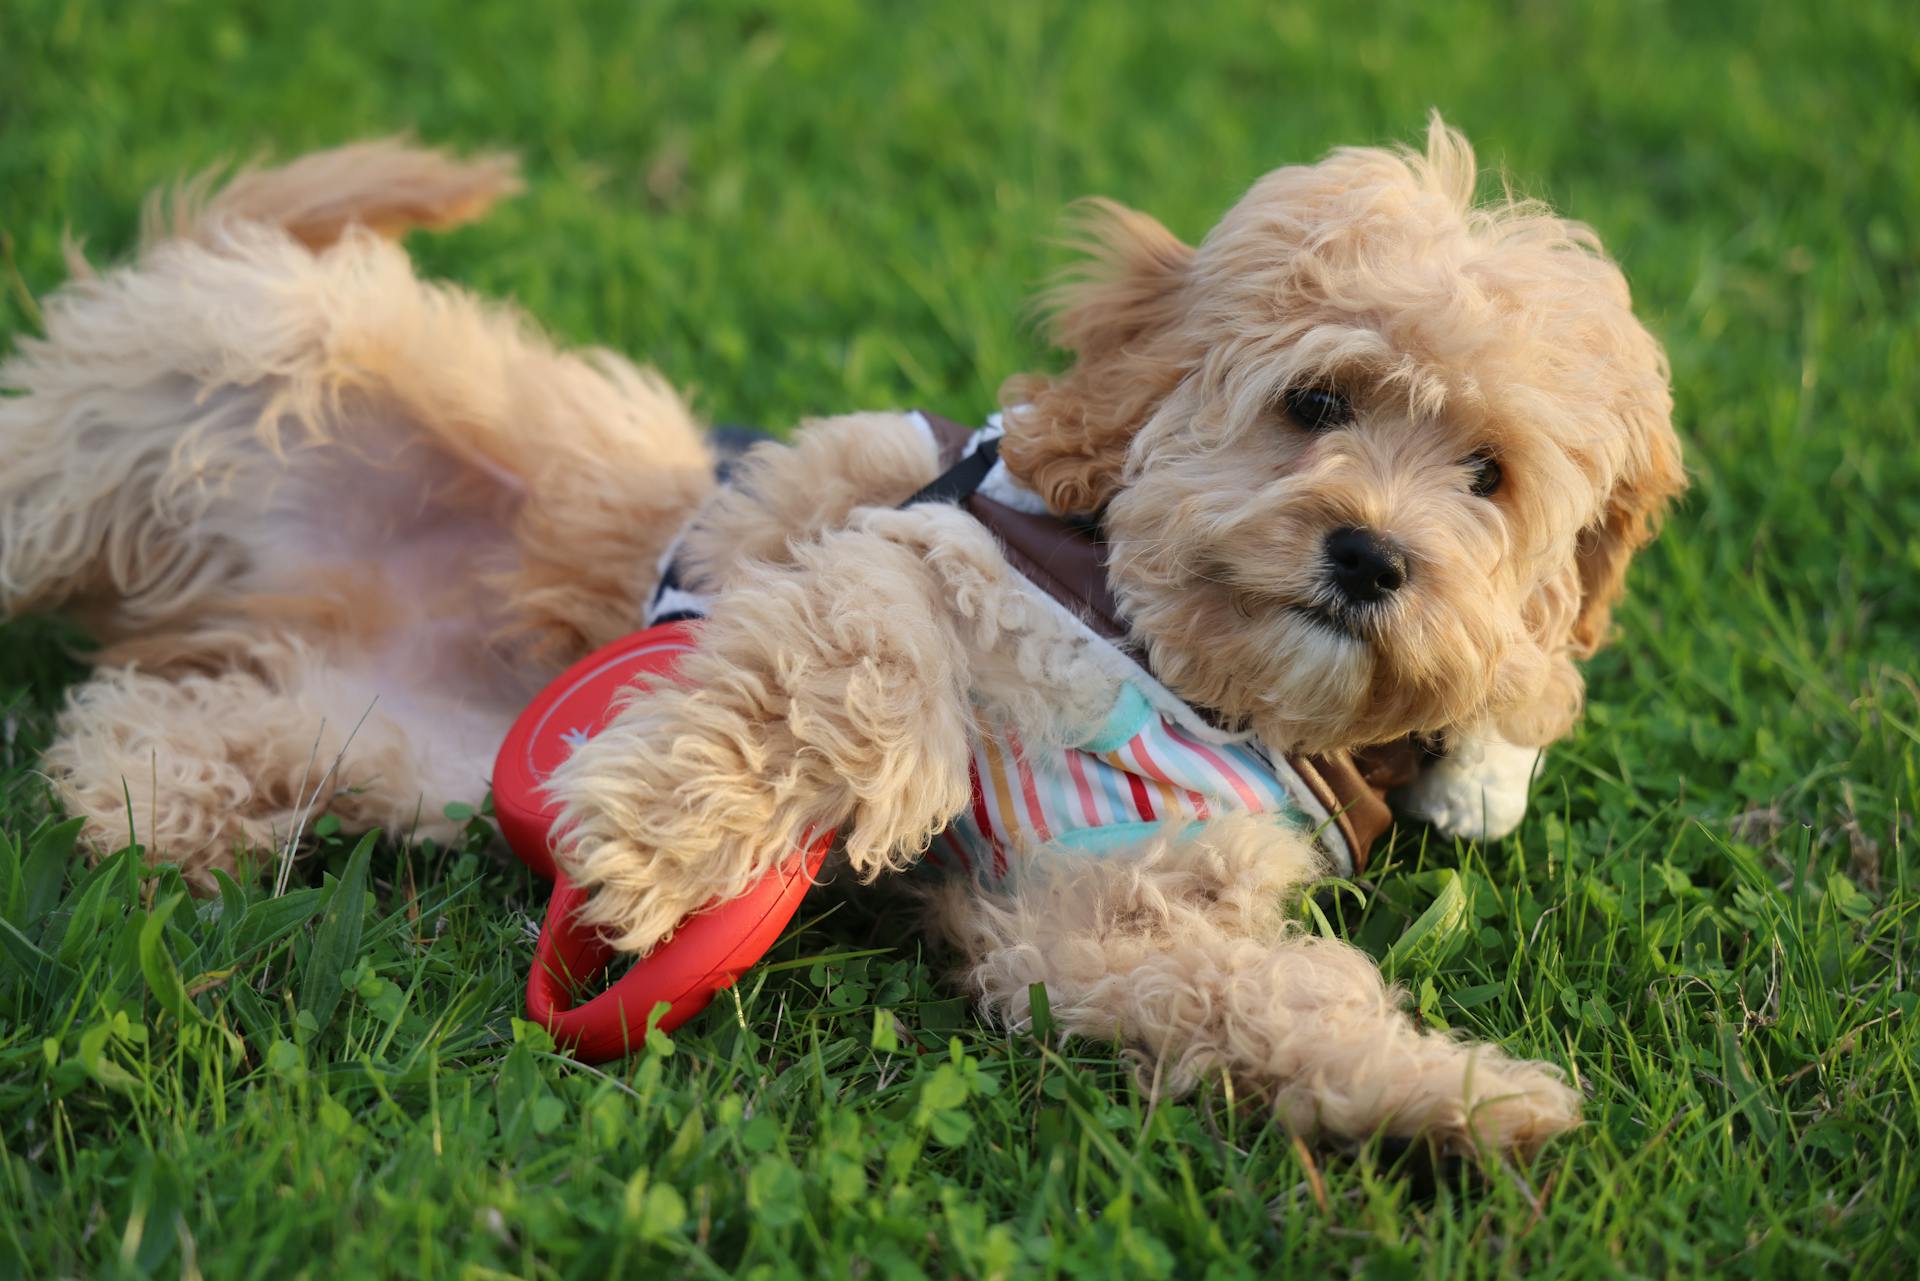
[[710, 949]]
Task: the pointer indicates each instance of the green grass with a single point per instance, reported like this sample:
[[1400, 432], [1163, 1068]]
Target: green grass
[[1710, 917]]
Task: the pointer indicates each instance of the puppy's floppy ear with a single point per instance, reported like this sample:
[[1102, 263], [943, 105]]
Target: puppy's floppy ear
[[1123, 320], [1651, 479], [1572, 614]]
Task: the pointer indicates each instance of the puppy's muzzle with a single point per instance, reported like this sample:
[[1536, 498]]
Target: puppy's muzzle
[[1365, 566]]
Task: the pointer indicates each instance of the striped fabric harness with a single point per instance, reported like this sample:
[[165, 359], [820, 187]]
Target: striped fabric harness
[[1154, 759]]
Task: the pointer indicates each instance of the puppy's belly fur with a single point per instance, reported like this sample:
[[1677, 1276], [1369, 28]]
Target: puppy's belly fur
[[421, 659], [374, 550], [398, 581]]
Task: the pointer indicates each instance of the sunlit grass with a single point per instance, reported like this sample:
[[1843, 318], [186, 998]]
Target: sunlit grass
[[1710, 916]]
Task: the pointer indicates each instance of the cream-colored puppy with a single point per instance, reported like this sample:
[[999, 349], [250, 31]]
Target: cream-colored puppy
[[1368, 462]]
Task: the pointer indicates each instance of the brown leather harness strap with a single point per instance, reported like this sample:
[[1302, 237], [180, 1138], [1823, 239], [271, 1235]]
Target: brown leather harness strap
[[1360, 812]]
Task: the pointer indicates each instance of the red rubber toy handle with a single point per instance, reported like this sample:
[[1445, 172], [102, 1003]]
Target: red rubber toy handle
[[708, 951]]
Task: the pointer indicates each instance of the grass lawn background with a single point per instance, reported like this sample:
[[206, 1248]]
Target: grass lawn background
[[1710, 915]]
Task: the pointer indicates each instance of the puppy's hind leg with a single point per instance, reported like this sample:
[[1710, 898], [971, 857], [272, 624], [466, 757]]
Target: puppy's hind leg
[[209, 769], [269, 370], [158, 393], [601, 459], [590, 462], [1183, 952]]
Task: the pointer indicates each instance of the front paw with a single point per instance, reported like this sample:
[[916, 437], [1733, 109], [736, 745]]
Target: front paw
[[646, 856], [674, 805], [1462, 1098], [1518, 1104], [1476, 792], [636, 897]]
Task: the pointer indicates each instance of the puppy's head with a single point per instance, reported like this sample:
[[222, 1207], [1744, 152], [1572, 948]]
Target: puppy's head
[[1372, 460]]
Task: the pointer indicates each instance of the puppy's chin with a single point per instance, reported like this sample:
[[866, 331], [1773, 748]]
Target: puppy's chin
[[1308, 675], [1318, 688], [1299, 676]]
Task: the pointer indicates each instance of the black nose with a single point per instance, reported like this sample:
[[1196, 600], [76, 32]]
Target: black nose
[[1366, 566]]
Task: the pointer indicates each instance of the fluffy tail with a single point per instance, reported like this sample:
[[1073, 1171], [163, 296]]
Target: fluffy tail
[[388, 184]]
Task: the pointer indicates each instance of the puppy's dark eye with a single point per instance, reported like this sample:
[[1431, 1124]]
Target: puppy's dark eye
[[1317, 408], [1486, 474]]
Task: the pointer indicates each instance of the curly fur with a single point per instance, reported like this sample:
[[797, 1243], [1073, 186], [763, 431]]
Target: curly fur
[[1185, 950], [286, 484]]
